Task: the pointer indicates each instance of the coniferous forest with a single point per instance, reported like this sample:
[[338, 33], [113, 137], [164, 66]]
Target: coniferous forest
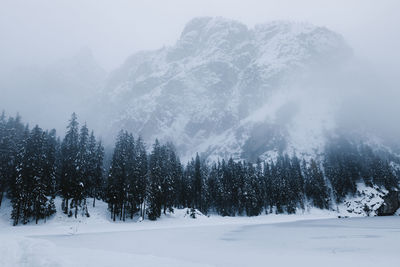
[[36, 166]]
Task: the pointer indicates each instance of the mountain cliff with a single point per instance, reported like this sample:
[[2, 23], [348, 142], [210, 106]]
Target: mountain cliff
[[228, 90]]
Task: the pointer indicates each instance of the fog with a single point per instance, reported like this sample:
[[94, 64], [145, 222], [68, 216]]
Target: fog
[[46, 35], [39, 32]]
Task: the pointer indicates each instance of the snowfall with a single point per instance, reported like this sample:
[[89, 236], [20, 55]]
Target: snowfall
[[309, 238]]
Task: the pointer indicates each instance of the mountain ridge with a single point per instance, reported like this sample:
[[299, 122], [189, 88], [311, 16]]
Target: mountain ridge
[[216, 78]]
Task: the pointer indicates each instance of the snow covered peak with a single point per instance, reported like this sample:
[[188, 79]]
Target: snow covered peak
[[299, 43], [224, 89], [212, 37], [207, 27]]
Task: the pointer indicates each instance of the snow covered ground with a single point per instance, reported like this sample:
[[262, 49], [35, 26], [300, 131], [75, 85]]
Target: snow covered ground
[[312, 239]]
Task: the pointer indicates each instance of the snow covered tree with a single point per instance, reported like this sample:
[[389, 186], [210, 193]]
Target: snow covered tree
[[35, 167], [13, 133], [154, 193], [97, 172], [70, 164], [315, 186], [140, 172], [341, 167], [30, 194], [169, 174], [383, 174], [91, 164], [224, 191], [296, 182], [3, 155], [50, 164], [117, 184], [78, 182], [212, 187], [197, 184], [252, 192]]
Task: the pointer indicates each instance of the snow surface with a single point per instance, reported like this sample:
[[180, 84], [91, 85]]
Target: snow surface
[[314, 238]]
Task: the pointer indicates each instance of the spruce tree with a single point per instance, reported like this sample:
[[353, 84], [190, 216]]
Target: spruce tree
[[141, 169], [154, 194], [117, 184], [197, 184], [31, 192], [3, 155], [97, 182], [315, 186], [70, 172]]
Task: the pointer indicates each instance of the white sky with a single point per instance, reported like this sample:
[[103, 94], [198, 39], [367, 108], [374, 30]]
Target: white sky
[[41, 31]]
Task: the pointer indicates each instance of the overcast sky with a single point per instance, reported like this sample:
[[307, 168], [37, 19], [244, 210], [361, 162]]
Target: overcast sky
[[41, 31]]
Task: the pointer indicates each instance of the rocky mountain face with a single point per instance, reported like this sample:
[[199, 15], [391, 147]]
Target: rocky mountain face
[[391, 204], [228, 90]]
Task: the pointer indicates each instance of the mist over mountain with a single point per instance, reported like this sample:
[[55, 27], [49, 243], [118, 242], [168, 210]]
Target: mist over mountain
[[49, 94], [199, 133], [223, 89], [228, 90]]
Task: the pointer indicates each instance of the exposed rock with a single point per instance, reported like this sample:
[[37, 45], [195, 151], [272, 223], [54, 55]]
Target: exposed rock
[[390, 205], [366, 201]]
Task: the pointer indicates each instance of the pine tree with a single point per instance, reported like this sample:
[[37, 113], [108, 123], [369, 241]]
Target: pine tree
[[18, 180], [212, 186], [253, 195], [91, 165], [70, 164], [11, 142], [205, 195], [341, 167], [197, 184], [315, 186], [132, 205], [154, 194], [97, 184], [383, 174], [296, 182], [30, 194], [268, 199], [141, 169], [78, 182], [242, 184], [280, 184], [3, 155], [225, 189], [117, 185], [169, 173], [50, 162]]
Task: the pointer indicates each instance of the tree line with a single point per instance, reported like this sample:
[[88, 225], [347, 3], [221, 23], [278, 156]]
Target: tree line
[[36, 166]]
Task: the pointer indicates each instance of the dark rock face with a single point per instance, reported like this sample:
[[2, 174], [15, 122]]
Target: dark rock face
[[390, 205]]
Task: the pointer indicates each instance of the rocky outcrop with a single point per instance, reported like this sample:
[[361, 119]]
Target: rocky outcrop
[[390, 205], [372, 201], [366, 201]]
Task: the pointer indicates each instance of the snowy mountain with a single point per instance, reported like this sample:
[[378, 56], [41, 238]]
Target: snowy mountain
[[228, 90]]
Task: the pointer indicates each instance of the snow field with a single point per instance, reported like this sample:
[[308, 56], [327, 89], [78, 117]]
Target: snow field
[[313, 238]]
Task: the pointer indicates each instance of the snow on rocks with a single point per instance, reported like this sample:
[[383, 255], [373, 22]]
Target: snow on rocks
[[366, 201]]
